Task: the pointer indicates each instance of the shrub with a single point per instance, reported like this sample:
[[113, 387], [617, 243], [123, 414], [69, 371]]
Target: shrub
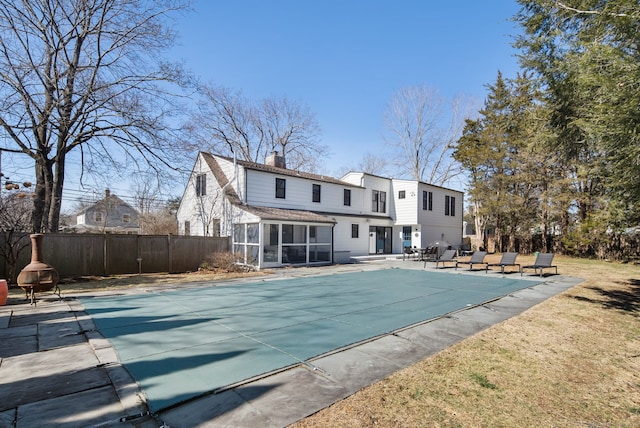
[[223, 262]]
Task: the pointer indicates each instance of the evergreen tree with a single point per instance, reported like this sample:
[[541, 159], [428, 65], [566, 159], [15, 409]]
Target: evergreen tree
[[586, 54]]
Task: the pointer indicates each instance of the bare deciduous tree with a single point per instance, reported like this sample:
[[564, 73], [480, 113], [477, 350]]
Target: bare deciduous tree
[[422, 133], [15, 221], [85, 76], [370, 163], [160, 219], [156, 216], [228, 123]]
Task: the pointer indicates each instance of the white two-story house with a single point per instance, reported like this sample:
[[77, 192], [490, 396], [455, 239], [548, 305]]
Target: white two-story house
[[277, 216], [108, 215]]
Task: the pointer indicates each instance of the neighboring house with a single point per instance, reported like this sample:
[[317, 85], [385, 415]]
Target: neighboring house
[[277, 216], [109, 215]]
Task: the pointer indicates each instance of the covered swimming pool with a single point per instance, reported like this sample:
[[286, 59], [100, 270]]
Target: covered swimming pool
[[184, 343]]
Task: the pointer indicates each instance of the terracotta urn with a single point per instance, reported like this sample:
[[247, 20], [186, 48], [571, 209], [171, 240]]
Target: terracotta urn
[[4, 292], [37, 276]]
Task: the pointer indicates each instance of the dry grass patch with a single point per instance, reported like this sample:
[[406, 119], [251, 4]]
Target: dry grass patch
[[572, 361], [82, 284]]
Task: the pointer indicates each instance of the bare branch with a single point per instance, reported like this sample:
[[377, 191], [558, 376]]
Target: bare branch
[[593, 12]]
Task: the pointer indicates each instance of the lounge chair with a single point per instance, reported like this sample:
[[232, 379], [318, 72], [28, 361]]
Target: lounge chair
[[447, 256], [508, 259], [543, 260], [477, 258]]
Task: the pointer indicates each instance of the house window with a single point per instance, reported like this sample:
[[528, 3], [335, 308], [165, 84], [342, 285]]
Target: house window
[[378, 201], [201, 185], [187, 228], [401, 194], [126, 218], [450, 206], [347, 197], [316, 193], [427, 200], [98, 216], [281, 187], [354, 230]]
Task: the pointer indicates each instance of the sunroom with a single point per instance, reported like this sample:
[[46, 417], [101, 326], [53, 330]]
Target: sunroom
[[272, 237]]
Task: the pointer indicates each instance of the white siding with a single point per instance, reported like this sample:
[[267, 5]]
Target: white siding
[[261, 191], [405, 210], [201, 211], [436, 226], [342, 236], [371, 183], [236, 176]]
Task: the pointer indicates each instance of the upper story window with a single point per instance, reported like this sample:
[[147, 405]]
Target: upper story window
[[427, 200], [378, 201], [450, 206], [201, 185], [126, 218], [347, 197], [401, 194], [281, 188], [98, 216], [316, 193]]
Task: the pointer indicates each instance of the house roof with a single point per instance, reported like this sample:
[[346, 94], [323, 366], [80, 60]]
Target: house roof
[[265, 213], [284, 171], [269, 213], [100, 203]]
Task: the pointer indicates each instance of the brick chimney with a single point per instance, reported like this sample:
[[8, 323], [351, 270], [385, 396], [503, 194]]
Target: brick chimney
[[107, 193], [275, 160]]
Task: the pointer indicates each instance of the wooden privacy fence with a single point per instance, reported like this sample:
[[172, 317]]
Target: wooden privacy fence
[[111, 254]]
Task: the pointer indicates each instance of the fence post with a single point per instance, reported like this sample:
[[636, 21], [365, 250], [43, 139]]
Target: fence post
[[139, 254], [105, 254], [170, 253]]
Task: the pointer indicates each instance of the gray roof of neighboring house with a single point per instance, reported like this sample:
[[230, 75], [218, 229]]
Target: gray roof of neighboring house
[[112, 198]]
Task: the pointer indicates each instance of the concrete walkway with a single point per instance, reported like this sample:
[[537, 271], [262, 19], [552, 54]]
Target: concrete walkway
[[57, 370]]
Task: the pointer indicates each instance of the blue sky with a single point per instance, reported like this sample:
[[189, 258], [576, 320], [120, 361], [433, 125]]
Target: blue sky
[[345, 59], [342, 59]]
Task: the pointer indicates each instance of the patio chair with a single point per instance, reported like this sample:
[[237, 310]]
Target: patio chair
[[409, 253], [447, 256], [429, 254], [508, 259], [543, 260], [477, 258]]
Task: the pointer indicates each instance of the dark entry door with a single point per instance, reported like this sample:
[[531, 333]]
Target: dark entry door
[[382, 239]]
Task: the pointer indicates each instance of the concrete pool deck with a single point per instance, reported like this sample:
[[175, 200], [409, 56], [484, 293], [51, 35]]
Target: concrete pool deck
[[57, 369]]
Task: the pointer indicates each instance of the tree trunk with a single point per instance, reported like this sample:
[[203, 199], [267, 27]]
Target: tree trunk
[[53, 219], [498, 235], [42, 206], [40, 192]]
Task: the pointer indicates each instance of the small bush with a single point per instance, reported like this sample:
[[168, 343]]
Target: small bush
[[223, 262]]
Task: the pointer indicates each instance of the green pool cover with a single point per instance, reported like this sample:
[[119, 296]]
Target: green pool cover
[[184, 343]]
